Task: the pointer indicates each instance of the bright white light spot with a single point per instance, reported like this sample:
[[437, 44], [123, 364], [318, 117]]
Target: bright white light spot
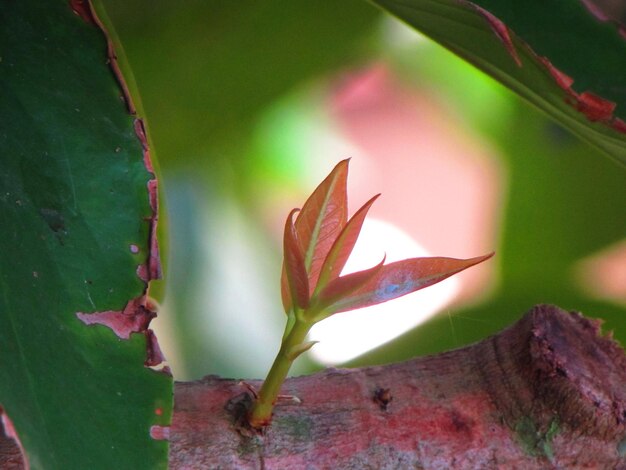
[[399, 35], [347, 335]]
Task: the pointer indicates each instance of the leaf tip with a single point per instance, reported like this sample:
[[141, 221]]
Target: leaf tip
[[342, 165]]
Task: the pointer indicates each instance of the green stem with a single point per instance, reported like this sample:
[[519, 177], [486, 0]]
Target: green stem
[[261, 412]]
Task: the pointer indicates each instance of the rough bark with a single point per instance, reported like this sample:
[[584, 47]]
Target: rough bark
[[10, 452], [547, 392]]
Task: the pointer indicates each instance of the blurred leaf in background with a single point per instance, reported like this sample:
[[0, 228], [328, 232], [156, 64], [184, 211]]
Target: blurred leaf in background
[[249, 104]]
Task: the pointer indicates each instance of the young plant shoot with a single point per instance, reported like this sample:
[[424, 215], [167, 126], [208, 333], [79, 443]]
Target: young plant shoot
[[317, 244]]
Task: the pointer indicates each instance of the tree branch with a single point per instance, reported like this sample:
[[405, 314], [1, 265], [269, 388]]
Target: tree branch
[[547, 392]]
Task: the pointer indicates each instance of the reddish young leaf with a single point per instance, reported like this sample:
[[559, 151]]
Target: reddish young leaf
[[341, 287], [322, 218], [320, 221], [401, 278], [284, 291], [342, 247], [294, 264]]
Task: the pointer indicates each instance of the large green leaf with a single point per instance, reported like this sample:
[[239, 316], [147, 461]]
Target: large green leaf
[[76, 215], [561, 56]]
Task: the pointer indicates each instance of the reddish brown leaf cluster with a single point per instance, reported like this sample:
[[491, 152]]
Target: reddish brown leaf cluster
[[319, 242]]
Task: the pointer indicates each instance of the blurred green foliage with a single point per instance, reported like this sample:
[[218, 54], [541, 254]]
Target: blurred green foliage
[[206, 70], [231, 91]]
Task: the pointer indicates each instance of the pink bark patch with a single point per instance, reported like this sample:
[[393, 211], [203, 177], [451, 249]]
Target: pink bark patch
[[160, 433], [142, 272], [9, 431], [595, 107], [135, 318], [153, 194], [595, 10], [151, 269], [154, 260], [501, 31], [154, 355], [117, 72], [140, 131], [82, 9], [619, 125], [137, 313], [562, 79]]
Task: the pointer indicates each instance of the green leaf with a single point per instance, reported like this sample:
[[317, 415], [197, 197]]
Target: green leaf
[[560, 56], [76, 217], [320, 221], [401, 278]]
